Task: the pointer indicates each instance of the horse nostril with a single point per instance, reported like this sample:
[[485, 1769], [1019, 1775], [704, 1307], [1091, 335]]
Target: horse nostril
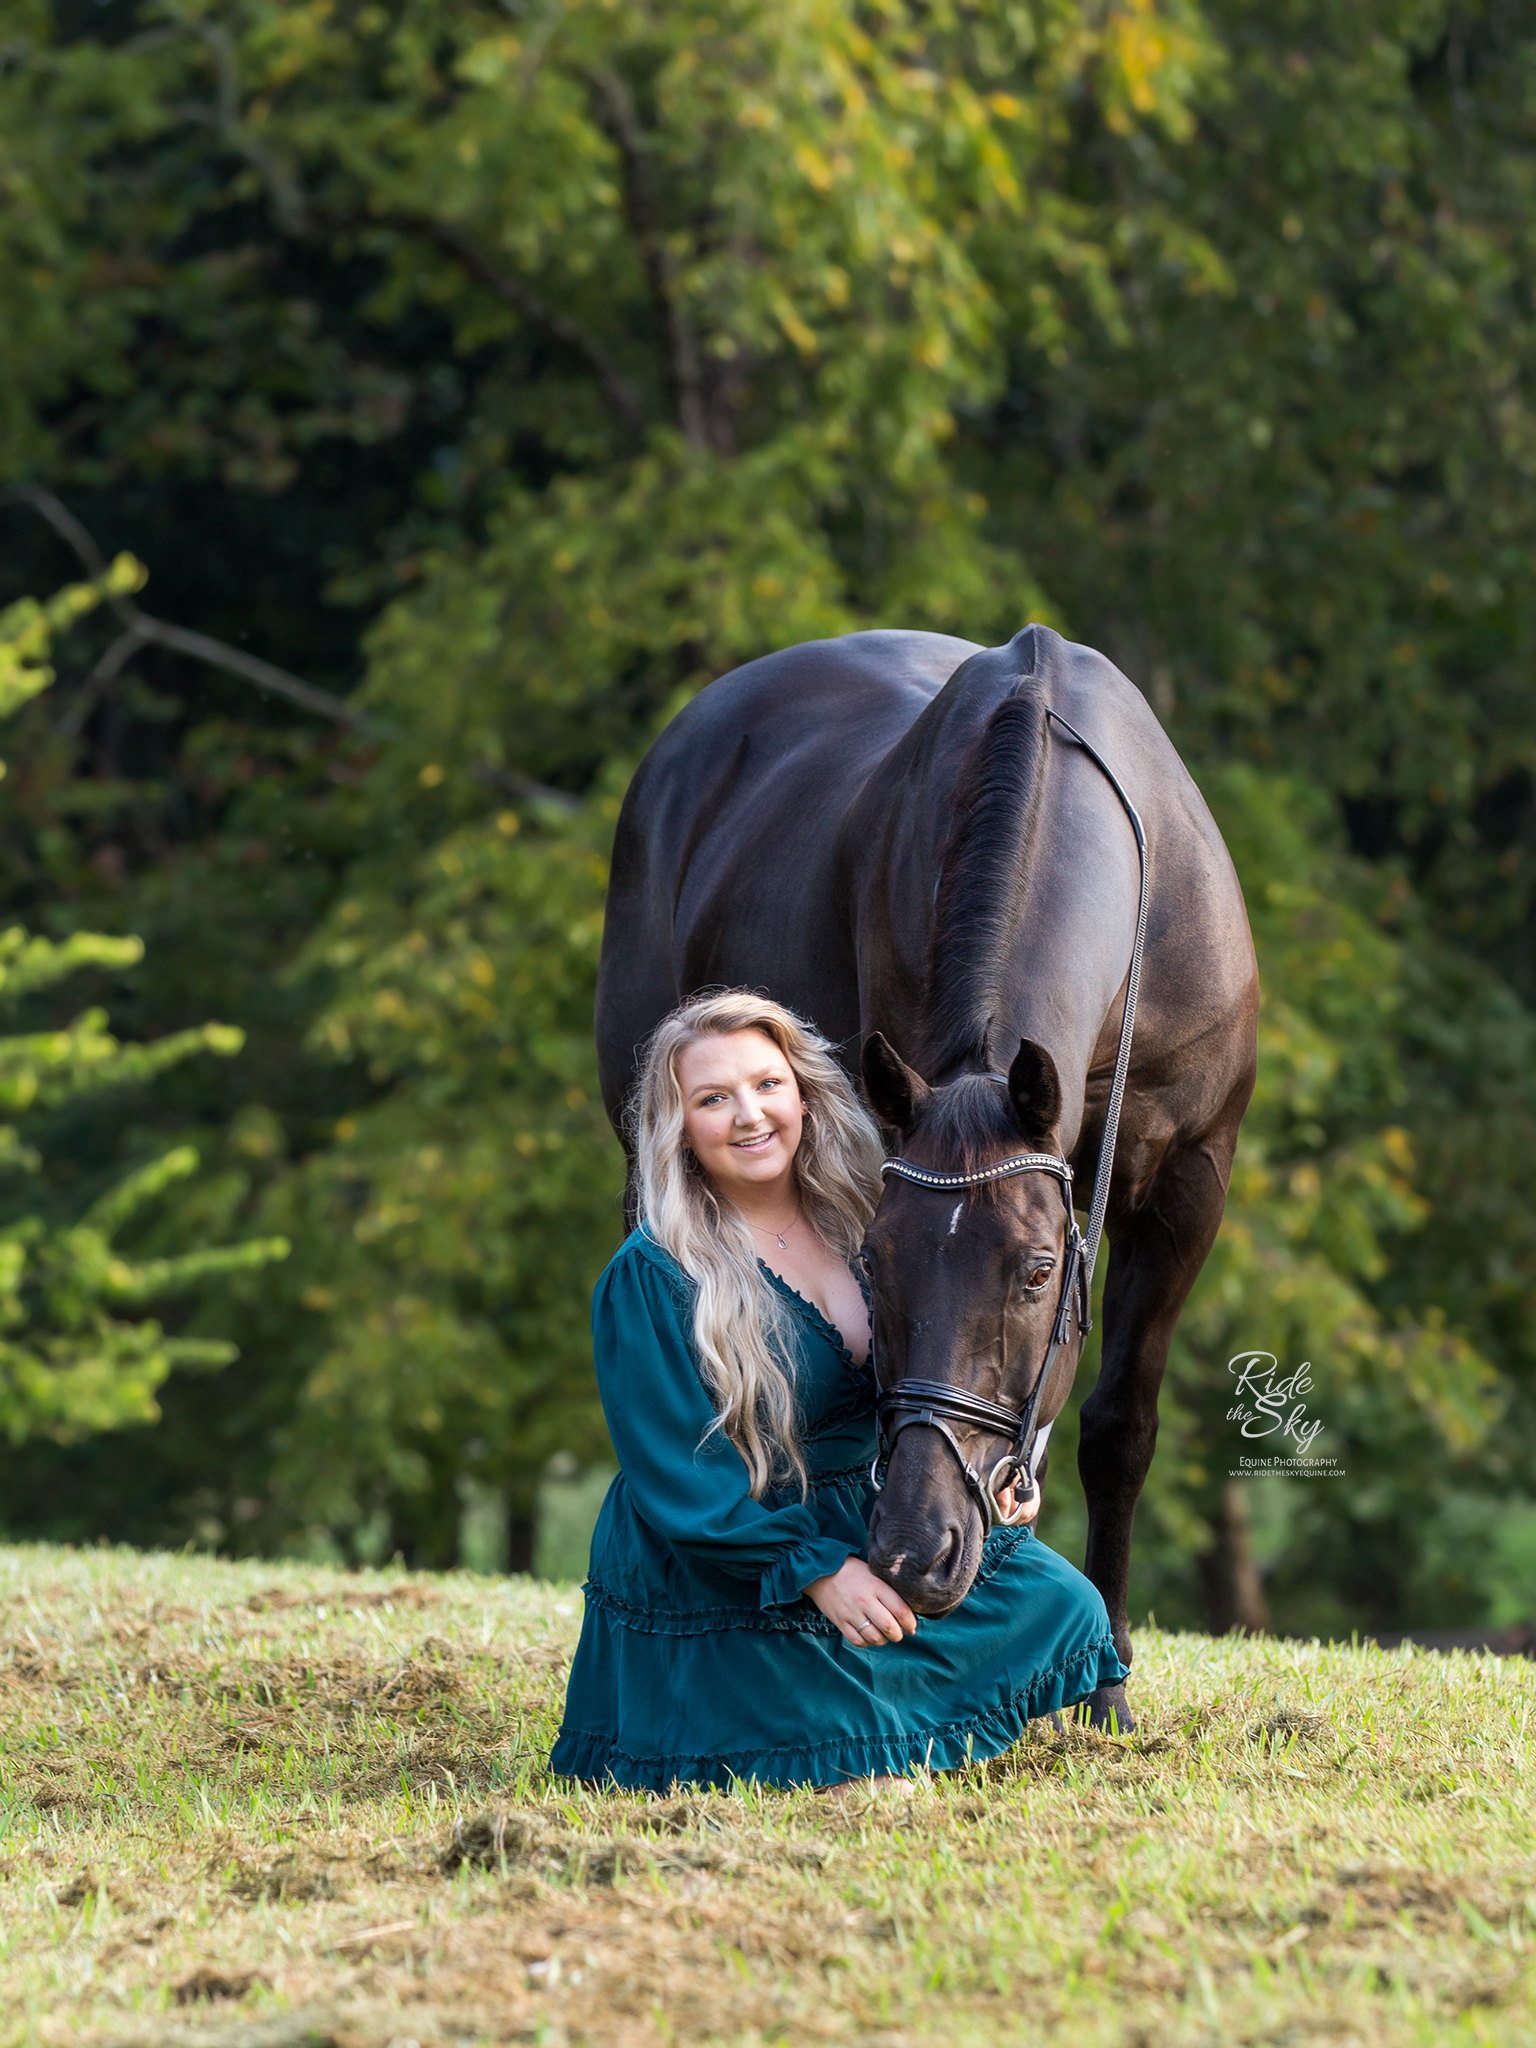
[[954, 1554]]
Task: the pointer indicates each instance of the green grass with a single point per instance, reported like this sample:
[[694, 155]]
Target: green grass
[[226, 1794]]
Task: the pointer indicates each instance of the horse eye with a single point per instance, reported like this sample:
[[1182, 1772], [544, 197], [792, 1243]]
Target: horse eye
[[1038, 1277]]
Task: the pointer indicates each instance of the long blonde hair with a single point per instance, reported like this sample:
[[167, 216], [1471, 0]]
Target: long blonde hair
[[739, 1321]]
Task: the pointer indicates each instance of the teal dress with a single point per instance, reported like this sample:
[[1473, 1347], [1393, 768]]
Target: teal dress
[[701, 1661]]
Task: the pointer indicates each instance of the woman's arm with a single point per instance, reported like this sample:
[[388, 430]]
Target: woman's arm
[[688, 1484]]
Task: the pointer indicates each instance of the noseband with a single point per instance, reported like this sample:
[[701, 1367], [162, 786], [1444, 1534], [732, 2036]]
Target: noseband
[[937, 1406]]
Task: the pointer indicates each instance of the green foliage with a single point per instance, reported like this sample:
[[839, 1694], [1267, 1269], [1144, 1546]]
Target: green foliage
[[1292, 491], [1324, 1190], [28, 629], [70, 1361], [518, 371], [462, 1218], [1328, 1197]]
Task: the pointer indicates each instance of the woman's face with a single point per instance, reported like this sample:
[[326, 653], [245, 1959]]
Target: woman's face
[[742, 1109]]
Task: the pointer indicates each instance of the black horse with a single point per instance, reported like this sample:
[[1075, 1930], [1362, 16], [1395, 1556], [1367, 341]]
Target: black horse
[[890, 834]]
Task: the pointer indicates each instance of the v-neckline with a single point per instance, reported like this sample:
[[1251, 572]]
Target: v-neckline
[[823, 1323]]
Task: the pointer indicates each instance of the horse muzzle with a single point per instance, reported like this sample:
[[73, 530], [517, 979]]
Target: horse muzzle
[[926, 1531]]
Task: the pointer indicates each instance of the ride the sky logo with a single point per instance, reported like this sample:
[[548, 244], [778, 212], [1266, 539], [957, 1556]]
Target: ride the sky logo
[[1269, 1403]]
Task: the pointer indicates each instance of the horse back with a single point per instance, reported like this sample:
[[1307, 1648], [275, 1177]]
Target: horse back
[[728, 855]]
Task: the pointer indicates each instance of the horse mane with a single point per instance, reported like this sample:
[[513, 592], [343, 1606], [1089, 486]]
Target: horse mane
[[981, 874]]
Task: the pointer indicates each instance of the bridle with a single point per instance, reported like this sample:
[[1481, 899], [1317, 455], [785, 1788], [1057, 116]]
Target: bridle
[[936, 1405], [932, 1403]]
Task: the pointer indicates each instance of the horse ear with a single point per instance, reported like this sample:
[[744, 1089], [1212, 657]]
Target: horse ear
[[896, 1094], [1035, 1092]]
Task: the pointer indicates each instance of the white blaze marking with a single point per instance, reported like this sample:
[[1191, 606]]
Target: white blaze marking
[[955, 1218]]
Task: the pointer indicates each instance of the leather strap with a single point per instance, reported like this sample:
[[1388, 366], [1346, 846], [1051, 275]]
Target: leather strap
[[935, 1405], [1101, 1178]]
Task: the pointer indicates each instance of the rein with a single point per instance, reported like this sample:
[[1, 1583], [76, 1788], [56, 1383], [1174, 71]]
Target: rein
[[936, 1405]]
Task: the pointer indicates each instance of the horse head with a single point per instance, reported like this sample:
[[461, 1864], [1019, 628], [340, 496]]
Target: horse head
[[970, 1283]]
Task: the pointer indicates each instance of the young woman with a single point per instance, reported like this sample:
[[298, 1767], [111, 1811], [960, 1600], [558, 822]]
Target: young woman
[[732, 1628]]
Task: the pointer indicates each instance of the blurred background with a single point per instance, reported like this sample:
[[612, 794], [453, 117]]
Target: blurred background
[[404, 407]]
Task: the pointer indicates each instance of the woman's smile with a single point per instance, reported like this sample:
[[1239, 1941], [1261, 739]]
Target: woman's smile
[[741, 1111]]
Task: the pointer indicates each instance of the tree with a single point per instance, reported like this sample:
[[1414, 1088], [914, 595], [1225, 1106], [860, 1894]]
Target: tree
[[70, 1360], [717, 342], [465, 1214], [1290, 495], [508, 375]]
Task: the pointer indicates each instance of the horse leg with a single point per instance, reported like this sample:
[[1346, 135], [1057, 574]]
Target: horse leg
[[1154, 1260]]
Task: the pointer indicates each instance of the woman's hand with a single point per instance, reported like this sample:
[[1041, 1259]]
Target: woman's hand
[[865, 1609]]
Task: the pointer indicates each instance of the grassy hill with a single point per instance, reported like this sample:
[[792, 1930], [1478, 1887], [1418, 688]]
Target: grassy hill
[[259, 1806]]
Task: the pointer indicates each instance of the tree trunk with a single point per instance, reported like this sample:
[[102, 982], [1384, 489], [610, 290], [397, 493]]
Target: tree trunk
[[520, 1533], [1234, 1592]]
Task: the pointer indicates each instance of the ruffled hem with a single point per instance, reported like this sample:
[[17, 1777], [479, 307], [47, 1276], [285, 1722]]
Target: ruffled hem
[[797, 1615], [843, 1479], [781, 1590], [592, 1757]]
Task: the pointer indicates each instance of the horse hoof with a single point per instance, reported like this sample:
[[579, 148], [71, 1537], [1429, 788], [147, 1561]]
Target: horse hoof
[[1108, 1710]]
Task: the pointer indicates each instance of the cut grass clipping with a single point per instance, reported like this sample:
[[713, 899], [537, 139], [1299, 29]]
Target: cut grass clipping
[[253, 1806]]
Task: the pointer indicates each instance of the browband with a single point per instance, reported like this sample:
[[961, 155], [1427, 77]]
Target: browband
[[1026, 1162]]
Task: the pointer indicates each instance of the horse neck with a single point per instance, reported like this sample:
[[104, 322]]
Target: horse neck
[[1035, 905]]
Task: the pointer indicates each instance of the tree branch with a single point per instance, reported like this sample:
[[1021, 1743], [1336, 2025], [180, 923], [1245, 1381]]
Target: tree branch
[[295, 212], [287, 195], [531, 792], [64, 524], [616, 111], [512, 291], [202, 647], [106, 671], [141, 628]]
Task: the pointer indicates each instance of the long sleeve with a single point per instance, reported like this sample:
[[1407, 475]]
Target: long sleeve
[[688, 1485]]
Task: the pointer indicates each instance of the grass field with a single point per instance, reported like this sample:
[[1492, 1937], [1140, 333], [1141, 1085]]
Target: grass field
[[256, 1806]]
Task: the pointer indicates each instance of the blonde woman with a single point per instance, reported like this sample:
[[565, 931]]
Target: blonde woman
[[732, 1628]]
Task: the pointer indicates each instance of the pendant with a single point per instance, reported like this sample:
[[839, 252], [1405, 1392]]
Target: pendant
[[783, 1242]]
